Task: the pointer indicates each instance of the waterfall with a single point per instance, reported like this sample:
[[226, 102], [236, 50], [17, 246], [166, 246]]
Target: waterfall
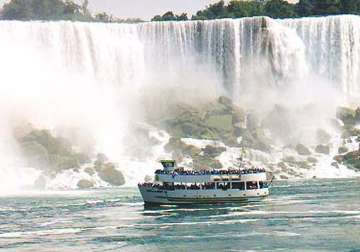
[[96, 76]]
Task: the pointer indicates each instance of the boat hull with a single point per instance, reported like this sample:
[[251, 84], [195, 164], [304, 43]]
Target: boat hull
[[154, 196]]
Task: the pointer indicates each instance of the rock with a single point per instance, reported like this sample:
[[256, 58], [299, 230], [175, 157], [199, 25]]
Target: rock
[[213, 151], [335, 164], [346, 115], [43, 150], [322, 136], [205, 163], [303, 164], [282, 166], [342, 149], [109, 174], [283, 177], [324, 149], [336, 123], [90, 171], [36, 155], [101, 158], [339, 158], [227, 102], [302, 150], [289, 159], [85, 184], [220, 122], [312, 160], [176, 145]]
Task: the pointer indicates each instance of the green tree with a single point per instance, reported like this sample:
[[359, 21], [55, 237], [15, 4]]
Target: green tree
[[304, 8], [279, 9], [350, 7], [102, 17], [182, 17], [327, 7], [216, 10], [238, 9]]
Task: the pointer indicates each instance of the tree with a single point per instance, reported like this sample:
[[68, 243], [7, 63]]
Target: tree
[[182, 17], [279, 9], [327, 7], [216, 10], [304, 8], [102, 17], [238, 9], [350, 7]]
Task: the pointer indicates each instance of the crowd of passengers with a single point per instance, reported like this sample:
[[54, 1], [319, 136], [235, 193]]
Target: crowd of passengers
[[206, 186], [180, 171]]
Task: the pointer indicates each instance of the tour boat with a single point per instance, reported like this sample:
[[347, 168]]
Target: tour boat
[[177, 186]]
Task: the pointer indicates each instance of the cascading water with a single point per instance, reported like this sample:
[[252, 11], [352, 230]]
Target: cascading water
[[99, 76]]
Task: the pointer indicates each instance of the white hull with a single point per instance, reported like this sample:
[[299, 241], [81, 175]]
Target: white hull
[[174, 197]]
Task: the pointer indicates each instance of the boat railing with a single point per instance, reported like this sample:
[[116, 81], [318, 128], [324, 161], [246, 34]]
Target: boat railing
[[211, 172]]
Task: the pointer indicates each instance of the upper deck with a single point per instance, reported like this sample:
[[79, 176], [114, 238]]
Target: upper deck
[[181, 176]]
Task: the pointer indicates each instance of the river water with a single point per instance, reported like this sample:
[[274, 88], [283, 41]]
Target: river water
[[316, 215]]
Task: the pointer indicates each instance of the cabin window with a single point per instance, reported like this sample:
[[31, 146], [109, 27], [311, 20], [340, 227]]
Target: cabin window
[[251, 185], [238, 185], [223, 186], [263, 184]]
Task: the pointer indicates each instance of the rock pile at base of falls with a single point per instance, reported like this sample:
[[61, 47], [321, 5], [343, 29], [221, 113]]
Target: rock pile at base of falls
[[349, 126], [218, 120], [54, 155]]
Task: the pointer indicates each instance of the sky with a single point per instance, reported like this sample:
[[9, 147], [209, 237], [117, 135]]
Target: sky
[[146, 9]]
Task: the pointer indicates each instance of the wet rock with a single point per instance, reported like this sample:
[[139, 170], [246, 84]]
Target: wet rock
[[90, 171], [176, 145], [335, 164], [36, 155], [342, 150], [111, 175], [302, 150], [339, 158], [213, 151], [322, 136], [346, 115], [45, 151], [312, 160], [85, 184], [323, 149], [205, 163]]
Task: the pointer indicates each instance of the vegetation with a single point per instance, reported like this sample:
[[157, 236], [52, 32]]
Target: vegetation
[[270, 8], [54, 10]]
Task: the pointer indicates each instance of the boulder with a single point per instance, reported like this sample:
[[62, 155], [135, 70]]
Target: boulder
[[85, 184], [213, 151], [322, 136], [302, 150], [346, 115], [312, 160], [36, 155], [339, 158], [220, 122], [205, 163], [227, 102], [109, 174], [335, 164], [324, 149], [342, 150], [89, 170]]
